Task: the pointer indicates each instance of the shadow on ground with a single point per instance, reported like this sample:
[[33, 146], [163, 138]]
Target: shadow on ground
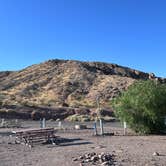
[[72, 141]]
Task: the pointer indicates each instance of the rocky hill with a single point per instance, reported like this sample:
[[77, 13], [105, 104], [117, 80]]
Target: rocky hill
[[67, 83]]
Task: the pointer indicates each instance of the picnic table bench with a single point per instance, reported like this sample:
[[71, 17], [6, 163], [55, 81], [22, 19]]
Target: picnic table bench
[[31, 136]]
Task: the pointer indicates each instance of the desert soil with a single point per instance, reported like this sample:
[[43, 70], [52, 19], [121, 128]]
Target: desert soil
[[128, 150]]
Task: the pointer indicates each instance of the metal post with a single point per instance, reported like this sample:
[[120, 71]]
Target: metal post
[[43, 123], [95, 128], [101, 127], [99, 115], [2, 122], [59, 124], [124, 127]]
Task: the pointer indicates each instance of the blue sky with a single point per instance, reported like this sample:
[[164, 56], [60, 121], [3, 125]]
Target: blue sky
[[127, 32]]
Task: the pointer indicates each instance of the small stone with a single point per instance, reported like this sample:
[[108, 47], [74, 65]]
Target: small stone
[[79, 127], [86, 161], [155, 154], [93, 154], [81, 157], [105, 163], [102, 153], [100, 147], [119, 151], [75, 159], [87, 156], [94, 158], [100, 156]]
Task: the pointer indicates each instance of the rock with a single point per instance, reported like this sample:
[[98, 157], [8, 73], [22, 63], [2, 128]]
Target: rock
[[57, 120], [100, 147], [94, 158], [93, 154], [102, 153], [75, 159], [87, 160], [87, 156], [99, 156], [79, 127], [105, 163], [81, 157], [119, 151], [156, 154]]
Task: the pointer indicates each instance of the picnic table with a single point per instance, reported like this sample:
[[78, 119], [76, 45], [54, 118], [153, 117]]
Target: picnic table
[[38, 135]]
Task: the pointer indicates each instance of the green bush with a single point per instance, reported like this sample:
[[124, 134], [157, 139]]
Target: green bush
[[143, 107]]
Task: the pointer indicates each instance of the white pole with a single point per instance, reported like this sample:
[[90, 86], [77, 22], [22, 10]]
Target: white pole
[[2, 122], [95, 128], [43, 123], [60, 124], [124, 126], [101, 127]]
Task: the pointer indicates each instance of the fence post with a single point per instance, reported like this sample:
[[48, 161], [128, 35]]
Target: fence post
[[95, 128], [101, 127], [44, 123], [2, 122], [60, 124], [124, 127]]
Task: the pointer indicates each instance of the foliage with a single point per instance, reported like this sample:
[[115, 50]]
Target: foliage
[[143, 106], [79, 118], [87, 118]]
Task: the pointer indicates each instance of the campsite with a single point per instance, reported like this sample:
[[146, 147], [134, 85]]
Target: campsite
[[125, 150]]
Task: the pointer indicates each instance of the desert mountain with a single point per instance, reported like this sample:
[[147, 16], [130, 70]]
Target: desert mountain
[[67, 83]]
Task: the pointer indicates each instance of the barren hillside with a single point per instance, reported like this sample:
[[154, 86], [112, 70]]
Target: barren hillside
[[67, 83]]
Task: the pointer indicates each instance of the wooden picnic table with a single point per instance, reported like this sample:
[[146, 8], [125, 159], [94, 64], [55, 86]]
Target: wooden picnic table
[[37, 135]]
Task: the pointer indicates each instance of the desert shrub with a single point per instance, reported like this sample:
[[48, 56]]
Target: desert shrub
[[79, 118], [36, 115], [86, 118], [143, 106], [108, 119]]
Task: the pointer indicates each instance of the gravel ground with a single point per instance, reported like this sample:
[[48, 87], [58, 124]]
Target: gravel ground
[[128, 150]]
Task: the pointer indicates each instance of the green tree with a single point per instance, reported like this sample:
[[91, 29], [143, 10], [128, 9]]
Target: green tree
[[143, 107]]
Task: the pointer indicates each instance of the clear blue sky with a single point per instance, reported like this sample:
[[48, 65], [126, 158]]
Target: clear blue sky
[[127, 32]]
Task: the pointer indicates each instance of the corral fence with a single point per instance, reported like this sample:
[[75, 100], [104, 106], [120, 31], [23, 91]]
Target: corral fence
[[10, 123]]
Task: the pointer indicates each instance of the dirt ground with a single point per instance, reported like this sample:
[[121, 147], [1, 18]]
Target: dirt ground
[[128, 150]]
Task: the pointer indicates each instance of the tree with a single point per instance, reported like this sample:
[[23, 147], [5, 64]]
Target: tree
[[143, 106]]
